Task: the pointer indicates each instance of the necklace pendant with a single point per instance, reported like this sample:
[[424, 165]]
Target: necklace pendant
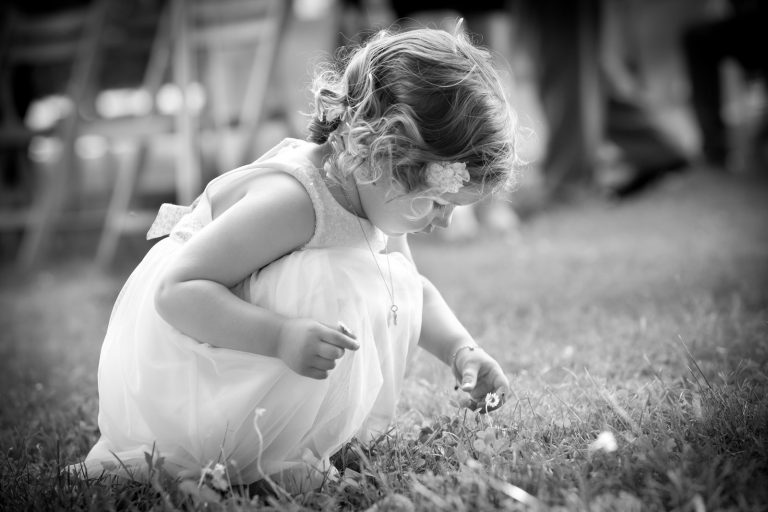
[[393, 313]]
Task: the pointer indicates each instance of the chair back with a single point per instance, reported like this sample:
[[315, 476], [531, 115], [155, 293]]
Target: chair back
[[44, 54], [228, 47]]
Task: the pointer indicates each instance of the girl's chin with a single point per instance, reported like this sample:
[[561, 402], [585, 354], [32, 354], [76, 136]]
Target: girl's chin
[[427, 230], [400, 232]]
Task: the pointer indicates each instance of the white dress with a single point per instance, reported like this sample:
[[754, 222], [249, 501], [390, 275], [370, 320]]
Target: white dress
[[194, 404]]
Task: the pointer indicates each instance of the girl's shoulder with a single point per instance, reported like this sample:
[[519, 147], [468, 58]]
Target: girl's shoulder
[[287, 174], [284, 163], [273, 187]]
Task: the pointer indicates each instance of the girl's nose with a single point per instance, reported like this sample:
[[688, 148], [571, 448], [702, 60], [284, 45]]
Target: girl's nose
[[444, 219]]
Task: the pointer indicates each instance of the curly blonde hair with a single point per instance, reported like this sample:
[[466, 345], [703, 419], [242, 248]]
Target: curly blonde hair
[[403, 100]]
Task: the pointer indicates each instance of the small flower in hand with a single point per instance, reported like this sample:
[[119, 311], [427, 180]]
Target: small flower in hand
[[481, 376], [492, 400], [490, 403]]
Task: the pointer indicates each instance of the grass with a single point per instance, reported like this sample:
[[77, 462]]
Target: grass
[[642, 323]]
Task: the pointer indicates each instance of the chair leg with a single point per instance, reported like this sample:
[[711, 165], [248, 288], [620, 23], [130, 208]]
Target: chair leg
[[47, 208], [128, 171]]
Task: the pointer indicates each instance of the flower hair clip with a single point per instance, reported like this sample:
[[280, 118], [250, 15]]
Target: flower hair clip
[[447, 176]]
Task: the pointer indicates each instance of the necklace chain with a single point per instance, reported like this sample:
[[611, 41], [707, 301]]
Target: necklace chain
[[391, 287]]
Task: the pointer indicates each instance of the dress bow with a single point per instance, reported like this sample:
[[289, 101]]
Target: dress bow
[[167, 217]]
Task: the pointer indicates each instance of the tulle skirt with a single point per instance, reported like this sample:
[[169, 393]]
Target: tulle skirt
[[163, 392]]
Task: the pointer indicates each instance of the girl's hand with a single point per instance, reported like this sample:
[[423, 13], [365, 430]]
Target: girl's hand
[[311, 348], [479, 374]]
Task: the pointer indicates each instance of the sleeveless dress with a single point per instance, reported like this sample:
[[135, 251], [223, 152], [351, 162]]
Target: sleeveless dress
[[192, 404]]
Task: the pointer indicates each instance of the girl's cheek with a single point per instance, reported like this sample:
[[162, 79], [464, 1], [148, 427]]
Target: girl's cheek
[[421, 206]]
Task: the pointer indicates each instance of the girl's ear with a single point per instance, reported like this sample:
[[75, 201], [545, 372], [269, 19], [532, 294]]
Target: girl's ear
[[396, 189]]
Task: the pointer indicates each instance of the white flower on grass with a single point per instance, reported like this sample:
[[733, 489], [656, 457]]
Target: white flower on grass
[[447, 176], [216, 476], [605, 442], [219, 477]]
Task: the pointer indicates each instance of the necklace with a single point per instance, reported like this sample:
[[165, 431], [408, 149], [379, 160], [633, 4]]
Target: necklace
[[391, 287]]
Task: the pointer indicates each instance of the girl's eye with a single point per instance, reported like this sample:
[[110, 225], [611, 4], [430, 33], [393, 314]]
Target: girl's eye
[[439, 207]]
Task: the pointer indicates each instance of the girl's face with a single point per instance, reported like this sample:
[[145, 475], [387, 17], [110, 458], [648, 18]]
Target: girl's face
[[396, 213]]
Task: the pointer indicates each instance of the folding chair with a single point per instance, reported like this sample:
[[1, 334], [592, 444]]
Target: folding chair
[[65, 40], [227, 48], [139, 130]]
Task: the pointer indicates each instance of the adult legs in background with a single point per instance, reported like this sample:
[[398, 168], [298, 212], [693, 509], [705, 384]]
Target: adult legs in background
[[563, 38], [742, 37]]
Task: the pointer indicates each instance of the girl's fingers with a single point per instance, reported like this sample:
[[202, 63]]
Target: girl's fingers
[[339, 339], [489, 379], [345, 330], [469, 376], [328, 351], [501, 385], [492, 375], [314, 373], [321, 363]]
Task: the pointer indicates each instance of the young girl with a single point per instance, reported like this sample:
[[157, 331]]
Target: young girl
[[274, 324]]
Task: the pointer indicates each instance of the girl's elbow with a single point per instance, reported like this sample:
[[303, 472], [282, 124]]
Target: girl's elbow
[[163, 298]]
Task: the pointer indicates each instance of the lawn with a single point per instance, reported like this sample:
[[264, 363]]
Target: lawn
[[634, 335]]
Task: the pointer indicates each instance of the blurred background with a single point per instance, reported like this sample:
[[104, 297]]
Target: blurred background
[[110, 108]]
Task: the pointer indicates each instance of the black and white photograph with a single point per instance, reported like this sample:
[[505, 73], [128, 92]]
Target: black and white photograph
[[384, 255]]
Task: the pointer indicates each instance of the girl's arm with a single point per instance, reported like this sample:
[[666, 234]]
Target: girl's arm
[[441, 331], [273, 217], [446, 338], [443, 335]]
